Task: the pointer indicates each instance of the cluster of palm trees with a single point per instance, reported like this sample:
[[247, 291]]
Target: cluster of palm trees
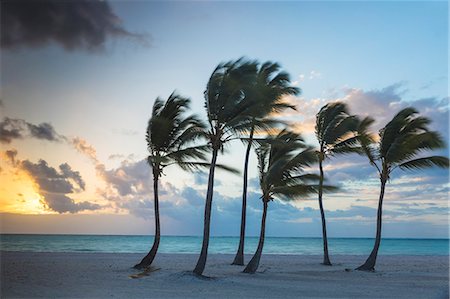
[[241, 98]]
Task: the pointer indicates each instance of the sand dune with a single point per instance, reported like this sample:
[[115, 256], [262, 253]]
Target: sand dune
[[99, 275]]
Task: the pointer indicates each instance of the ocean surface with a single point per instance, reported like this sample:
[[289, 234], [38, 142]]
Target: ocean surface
[[183, 244]]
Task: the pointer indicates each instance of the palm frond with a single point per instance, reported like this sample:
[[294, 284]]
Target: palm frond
[[426, 162], [195, 165], [392, 130], [170, 133], [327, 117]]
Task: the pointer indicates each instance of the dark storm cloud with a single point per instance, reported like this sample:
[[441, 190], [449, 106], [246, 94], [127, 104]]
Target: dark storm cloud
[[13, 128], [80, 24], [54, 185]]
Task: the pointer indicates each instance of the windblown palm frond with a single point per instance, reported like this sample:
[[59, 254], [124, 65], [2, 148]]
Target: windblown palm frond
[[224, 95], [170, 134], [335, 128], [281, 162], [402, 143]]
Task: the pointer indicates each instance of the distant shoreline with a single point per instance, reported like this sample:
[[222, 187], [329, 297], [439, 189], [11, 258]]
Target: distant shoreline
[[318, 256], [199, 236], [219, 245], [102, 275]]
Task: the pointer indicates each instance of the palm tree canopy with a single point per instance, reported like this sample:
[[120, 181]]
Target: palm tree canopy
[[224, 95], [334, 128], [269, 87], [170, 134], [266, 96], [281, 163], [403, 141]]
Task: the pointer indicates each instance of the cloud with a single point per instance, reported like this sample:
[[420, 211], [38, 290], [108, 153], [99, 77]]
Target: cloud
[[43, 131], [14, 128], [67, 172], [131, 178], [11, 155], [380, 104], [383, 104], [81, 24], [11, 129], [85, 148], [200, 178], [55, 185], [312, 75]]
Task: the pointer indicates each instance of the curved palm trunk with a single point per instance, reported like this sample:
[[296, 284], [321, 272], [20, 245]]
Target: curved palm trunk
[[148, 259], [254, 262], [326, 258], [369, 265], [200, 267], [239, 258]]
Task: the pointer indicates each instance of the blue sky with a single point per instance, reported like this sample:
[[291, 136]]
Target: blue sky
[[377, 56]]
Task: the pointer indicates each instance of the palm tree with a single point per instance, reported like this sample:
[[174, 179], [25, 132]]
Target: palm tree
[[281, 163], [169, 137], [334, 128], [267, 91], [400, 145], [228, 113]]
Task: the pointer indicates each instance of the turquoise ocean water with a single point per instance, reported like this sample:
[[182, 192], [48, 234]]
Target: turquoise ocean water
[[183, 244]]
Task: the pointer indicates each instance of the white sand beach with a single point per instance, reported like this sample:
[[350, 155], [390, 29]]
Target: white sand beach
[[100, 275]]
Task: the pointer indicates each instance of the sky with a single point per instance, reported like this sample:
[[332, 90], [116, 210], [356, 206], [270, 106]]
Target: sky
[[75, 103]]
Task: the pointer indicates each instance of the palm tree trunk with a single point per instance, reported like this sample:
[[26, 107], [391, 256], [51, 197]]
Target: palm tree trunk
[[369, 265], [200, 267], [326, 258], [148, 259], [239, 258], [254, 262]]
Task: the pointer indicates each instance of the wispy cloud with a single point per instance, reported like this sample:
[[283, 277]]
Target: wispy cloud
[[312, 75]]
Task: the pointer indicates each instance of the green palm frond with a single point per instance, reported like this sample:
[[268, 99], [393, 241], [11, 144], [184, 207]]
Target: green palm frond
[[360, 142], [426, 162], [408, 146], [392, 130], [331, 113], [281, 163], [195, 165], [304, 159], [294, 192], [241, 94], [402, 141], [406, 136], [299, 179], [336, 130], [170, 134]]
